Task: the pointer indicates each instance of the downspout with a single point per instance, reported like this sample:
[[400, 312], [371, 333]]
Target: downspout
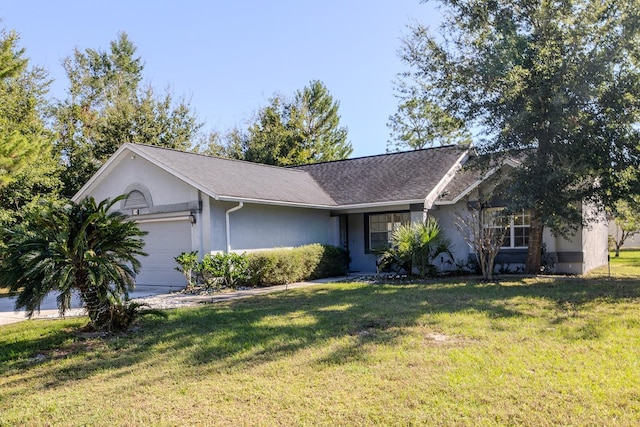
[[236, 208]]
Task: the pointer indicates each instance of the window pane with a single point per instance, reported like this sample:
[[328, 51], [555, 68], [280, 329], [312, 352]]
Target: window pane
[[379, 240], [521, 236], [494, 217], [381, 227]]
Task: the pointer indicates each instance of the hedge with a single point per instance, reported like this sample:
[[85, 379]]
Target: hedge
[[281, 266]]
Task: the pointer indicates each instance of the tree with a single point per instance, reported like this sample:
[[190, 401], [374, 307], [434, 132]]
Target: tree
[[304, 130], [554, 83], [323, 139], [626, 217], [17, 149], [107, 106], [420, 123], [11, 61], [71, 247], [485, 236], [27, 167]]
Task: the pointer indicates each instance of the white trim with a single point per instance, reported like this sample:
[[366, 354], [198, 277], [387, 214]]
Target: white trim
[[115, 158], [272, 202], [165, 219], [377, 204], [435, 192]]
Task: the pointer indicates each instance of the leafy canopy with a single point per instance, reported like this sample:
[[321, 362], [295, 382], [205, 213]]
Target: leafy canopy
[[27, 168], [554, 83]]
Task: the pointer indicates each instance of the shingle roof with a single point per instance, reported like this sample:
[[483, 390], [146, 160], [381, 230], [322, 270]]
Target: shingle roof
[[237, 179], [461, 182], [397, 177], [476, 170]]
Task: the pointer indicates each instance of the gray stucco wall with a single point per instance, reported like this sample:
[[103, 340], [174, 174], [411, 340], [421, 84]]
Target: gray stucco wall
[[595, 245], [446, 216], [584, 251], [256, 227]]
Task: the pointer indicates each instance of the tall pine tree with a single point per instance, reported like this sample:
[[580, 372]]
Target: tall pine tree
[[108, 106], [28, 171], [305, 129]]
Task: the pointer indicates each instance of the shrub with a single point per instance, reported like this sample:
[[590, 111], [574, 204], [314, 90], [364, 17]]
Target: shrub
[[416, 246], [281, 266], [223, 269], [122, 316], [188, 265]]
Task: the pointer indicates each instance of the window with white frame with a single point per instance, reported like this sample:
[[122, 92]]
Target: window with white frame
[[516, 226], [381, 226]]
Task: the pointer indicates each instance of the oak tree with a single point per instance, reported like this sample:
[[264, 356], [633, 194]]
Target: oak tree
[[554, 83]]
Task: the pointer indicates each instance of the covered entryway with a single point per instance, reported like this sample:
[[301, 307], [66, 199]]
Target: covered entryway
[[167, 238]]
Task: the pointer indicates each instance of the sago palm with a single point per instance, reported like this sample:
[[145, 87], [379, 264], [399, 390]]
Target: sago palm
[[79, 247], [418, 244]]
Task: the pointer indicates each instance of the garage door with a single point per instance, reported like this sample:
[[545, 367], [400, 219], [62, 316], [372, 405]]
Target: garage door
[[165, 241]]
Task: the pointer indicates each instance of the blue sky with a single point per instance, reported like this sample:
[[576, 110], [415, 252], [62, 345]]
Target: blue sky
[[230, 56]]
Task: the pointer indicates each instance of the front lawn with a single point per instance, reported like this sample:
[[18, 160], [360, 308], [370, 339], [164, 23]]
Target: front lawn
[[626, 265], [545, 351]]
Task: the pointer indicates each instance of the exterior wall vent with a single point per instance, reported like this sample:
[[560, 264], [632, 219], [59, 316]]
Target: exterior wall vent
[[135, 200]]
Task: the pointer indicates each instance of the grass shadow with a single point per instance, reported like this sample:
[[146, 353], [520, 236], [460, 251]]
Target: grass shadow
[[236, 334]]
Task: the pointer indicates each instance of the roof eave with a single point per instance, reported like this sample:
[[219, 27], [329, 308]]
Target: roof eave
[[236, 199], [378, 204]]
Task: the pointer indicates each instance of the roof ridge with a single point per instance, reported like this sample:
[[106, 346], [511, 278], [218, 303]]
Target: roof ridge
[[462, 147], [209, 156]]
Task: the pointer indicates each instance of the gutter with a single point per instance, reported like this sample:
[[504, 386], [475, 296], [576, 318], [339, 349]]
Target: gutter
[[228, 228]]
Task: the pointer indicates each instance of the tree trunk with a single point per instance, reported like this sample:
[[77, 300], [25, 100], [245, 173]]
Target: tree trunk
[[534, 256], [98, 309]]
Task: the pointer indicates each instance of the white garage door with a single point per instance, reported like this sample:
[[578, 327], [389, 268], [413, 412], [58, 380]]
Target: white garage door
[[165, 241]]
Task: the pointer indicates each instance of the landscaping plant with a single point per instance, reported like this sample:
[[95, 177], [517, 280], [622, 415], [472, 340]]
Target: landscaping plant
[[415, 246], [222, 269], [188, 266], [81, 247]]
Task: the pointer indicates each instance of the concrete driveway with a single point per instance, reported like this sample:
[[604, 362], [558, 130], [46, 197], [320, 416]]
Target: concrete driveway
[[49, 308]]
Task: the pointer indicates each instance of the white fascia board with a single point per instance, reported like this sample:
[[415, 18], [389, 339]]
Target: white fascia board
[[432, 197], [377, 204], [360, 206], [272, 202]]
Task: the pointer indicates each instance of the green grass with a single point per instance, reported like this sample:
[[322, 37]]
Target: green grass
[[535, 352], [626, 265]]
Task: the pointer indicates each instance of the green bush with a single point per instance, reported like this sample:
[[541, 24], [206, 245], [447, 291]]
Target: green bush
[[263, 268], [280, 266], [223, 270], [188, 266], [414, 247]]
